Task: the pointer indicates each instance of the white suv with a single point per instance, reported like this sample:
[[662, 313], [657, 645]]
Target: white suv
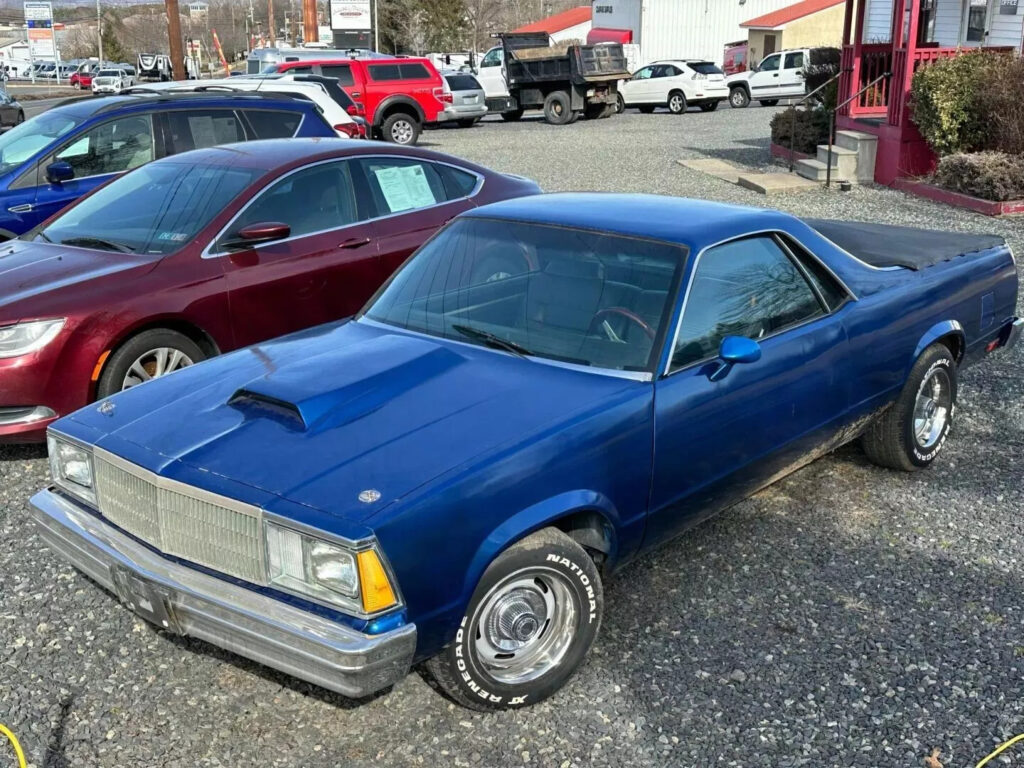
[[111, 81], [676, 84], [778, 76]]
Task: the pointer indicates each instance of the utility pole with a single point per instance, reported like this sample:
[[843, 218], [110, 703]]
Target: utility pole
[[310, 23], [270, 23], [376, 28], [99, 33], [174, 38]]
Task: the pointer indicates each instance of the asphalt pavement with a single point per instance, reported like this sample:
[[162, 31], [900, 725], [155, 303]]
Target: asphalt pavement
[[845, 616]]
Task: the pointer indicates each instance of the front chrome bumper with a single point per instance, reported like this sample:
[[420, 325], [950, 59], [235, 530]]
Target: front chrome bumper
[[189, 602]]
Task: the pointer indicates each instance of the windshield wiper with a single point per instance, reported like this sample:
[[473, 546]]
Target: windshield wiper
[[97, 242], [491, 340]]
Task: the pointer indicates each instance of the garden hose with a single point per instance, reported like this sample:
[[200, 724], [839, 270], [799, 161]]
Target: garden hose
[[1001, 748], [14, 743]]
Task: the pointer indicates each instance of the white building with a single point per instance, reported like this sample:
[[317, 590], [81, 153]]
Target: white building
[[669, 29]]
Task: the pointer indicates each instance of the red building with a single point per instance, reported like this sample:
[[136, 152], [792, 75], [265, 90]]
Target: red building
[[877, 75]]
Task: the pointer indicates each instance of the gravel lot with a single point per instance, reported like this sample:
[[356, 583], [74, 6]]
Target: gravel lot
[[846, 616]]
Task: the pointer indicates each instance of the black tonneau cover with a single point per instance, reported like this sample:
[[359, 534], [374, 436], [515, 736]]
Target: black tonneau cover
[[884, 245]]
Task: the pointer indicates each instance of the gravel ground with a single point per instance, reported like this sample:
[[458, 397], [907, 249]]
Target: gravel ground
[[846, 616]]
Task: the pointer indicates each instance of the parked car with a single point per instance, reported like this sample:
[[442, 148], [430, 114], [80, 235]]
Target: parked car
[[399, 95], [450, 475], [11, 111], [59, 155], [325, 92], [111, 81], [469, 102], [778, 76], [81, 80], [678, 85], [205, 252]]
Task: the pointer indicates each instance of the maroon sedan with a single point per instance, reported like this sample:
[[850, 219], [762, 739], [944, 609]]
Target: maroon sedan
[[208, 251]]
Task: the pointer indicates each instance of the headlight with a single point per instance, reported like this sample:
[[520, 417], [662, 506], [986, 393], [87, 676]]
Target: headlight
[[71, 467], [23, 338], [328, 572]]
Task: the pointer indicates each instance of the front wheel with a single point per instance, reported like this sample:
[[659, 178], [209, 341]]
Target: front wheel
[[620, 104], [401, 129], [739, 98], [911, 433], [149, 355], [529, 625]]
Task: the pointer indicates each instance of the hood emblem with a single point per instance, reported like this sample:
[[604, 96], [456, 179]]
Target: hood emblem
[[369, 496], [107, 408]]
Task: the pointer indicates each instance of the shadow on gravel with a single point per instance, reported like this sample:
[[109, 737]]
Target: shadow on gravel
[[22, 452], [56, 748], [791, 631], [753, 157]]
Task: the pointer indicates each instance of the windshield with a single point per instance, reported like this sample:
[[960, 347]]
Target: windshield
[[155, 209], [572, 295], [24, 140]]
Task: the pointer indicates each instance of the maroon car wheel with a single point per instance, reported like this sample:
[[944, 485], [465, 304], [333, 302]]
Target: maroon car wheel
[[149, 355]]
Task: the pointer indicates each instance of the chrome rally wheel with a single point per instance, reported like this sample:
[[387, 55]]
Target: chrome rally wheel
[[529, 625], [932, 408]]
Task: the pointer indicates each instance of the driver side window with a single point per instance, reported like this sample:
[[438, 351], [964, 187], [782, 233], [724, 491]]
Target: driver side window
[[492, 58], [748, 288], [771, 64], [113, 147]]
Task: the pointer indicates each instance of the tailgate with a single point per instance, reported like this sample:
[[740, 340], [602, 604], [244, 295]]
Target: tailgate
[[606, 61]]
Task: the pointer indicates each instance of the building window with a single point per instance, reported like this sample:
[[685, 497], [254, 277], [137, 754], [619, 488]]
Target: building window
[[977, 14]]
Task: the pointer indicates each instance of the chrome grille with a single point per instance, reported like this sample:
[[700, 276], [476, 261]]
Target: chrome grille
[[195, 525]]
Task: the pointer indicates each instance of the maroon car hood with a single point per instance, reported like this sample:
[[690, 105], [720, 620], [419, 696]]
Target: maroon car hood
[[28, 270]]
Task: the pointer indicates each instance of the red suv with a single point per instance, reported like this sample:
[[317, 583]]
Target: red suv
[[398, 96]]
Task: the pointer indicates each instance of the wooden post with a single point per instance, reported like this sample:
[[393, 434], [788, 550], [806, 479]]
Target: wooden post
[[271, 26], [848, 21], [174, 40], [899, 12], [310, 23]]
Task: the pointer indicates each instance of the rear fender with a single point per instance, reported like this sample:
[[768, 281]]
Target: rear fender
[[936, 332]]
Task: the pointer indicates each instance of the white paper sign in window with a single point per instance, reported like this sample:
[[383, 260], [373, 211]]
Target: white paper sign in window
[[405, 187]]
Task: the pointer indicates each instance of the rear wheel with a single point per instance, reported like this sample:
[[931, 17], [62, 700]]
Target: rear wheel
[[769, 102], [149, 355], [739, 98], [530, 623], [620, 104], [912, 432], [467, 123], [557, 108], [401, 128], [512, 115], [676, 103]]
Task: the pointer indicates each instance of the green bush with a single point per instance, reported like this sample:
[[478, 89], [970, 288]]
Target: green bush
[[971, 102], [809, 129], [989, 175]]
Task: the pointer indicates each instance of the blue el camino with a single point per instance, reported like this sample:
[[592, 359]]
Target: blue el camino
[[549, 387]]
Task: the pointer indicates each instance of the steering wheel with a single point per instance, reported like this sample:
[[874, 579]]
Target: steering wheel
[[623, 312]]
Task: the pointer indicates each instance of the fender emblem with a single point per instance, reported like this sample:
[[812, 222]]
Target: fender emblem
[[369, 496], [107, 408]]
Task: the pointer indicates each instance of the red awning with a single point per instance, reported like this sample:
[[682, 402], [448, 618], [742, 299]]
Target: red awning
[[609, 36]]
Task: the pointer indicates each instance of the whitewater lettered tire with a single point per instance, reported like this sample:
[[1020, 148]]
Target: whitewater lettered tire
[[911, 433], [530, 623]]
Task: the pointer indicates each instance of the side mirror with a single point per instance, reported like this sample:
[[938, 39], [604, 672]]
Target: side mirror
[[59, 172], [735, 350], [256, 234]]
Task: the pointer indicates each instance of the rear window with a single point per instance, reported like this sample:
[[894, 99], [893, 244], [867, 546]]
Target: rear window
[[343, 73], [272, 124], [414, 72], [705, 68], [462, 82], [384, 72], [195, 129]]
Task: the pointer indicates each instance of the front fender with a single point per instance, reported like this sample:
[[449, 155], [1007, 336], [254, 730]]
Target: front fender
[[936, 332]]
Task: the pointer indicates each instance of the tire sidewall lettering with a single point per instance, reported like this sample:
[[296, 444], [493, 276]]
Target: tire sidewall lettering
[[922, 456]]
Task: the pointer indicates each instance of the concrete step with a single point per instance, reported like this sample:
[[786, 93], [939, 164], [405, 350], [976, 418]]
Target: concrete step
[[844, 161], [815, 170], [866, 147]]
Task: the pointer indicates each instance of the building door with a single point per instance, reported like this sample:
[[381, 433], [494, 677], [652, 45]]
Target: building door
[[769, 45]]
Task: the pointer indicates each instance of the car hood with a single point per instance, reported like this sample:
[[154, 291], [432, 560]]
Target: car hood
[[29, 270], [319, 417]]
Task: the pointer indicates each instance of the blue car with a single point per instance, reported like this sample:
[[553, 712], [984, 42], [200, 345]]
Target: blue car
[[58, 156], [450, 475]]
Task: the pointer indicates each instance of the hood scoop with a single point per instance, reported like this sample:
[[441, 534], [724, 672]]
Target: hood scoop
[[342, 386]]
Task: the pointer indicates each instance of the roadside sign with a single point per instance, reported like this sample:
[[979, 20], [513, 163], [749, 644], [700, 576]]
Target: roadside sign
[[39, 21]]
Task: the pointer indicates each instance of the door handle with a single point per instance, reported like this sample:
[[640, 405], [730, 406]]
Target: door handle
[[23, 208], [354, 242]]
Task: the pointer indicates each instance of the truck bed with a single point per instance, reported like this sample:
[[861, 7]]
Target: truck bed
[[885, 245]]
